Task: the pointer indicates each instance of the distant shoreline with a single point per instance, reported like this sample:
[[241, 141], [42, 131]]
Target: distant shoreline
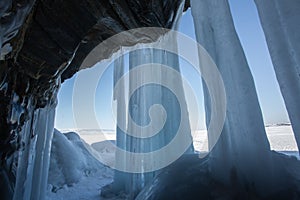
[[65, 130]]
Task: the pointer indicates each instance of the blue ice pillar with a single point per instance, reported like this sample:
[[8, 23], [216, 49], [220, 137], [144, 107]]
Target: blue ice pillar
[[34, 158], [120, 178], [243, 146], [280, 22], [139, 105], [143, 100], [153, 109]]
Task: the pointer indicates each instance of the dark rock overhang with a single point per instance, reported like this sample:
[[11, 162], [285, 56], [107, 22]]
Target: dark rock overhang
[[55, 31]]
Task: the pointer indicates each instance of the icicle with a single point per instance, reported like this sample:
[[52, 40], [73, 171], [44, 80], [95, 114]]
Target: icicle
[[44, 132], [33, 164], [139, 105], [243, 145], [25, 166], [120, 178], [280, 22]]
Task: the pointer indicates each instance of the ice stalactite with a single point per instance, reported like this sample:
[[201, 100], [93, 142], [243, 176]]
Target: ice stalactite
[[33, 160], [27, 121], [143, 112], [243, 146], [44, 129], [280, 22]]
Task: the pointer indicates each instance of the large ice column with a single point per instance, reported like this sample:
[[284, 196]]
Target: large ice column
[[148, 105], [139, 105], [243, 146], [152, 109], [280, 22], [33, 160], [147, 96]]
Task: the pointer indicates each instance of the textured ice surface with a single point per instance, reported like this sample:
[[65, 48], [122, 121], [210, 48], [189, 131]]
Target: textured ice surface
[[280, 22], [33, 164], [138, 130], [243, 136], [244, 124]]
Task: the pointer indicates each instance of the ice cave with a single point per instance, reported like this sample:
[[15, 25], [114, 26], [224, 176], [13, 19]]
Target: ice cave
[[153, 153]]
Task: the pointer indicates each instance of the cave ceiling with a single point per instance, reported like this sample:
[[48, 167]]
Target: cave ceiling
[[49, 38]]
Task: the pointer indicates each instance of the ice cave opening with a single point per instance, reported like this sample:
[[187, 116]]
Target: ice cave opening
[[144, 82]]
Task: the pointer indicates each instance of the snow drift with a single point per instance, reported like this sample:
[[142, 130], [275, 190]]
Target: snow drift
[[71, 159]]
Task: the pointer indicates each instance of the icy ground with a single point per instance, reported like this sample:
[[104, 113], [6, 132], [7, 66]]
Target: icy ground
[[81, 177]]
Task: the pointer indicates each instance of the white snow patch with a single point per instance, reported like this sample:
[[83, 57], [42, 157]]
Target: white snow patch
[[75, 172], [89, 186]]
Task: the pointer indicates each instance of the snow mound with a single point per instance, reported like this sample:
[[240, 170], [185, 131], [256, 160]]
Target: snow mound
[[71, 159], [106, 151]]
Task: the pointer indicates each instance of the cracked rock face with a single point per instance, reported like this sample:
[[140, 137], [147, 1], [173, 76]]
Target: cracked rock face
[[43, 42]]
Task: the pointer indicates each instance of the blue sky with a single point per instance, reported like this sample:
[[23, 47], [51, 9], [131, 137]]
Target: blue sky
[[252, 38]]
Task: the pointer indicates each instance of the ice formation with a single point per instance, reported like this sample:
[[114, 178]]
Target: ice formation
[[33, 167], [71, 159], [243, 137], [140, 104], [280, 22], [140, 110]]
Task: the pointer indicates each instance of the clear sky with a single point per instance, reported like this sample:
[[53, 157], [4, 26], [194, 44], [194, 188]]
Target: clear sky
[[252, 38]]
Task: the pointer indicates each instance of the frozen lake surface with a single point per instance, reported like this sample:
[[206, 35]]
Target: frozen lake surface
[[88, 188]]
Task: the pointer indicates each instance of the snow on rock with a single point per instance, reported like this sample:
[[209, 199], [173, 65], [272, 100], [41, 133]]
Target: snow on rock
[[106, 149], [88, 188], [71, 160]]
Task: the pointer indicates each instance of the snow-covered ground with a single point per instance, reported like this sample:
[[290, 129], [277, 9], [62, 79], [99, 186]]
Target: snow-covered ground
[[281, 137], [85, 182]]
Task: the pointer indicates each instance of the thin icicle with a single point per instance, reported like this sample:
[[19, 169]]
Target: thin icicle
[[120, 178]]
